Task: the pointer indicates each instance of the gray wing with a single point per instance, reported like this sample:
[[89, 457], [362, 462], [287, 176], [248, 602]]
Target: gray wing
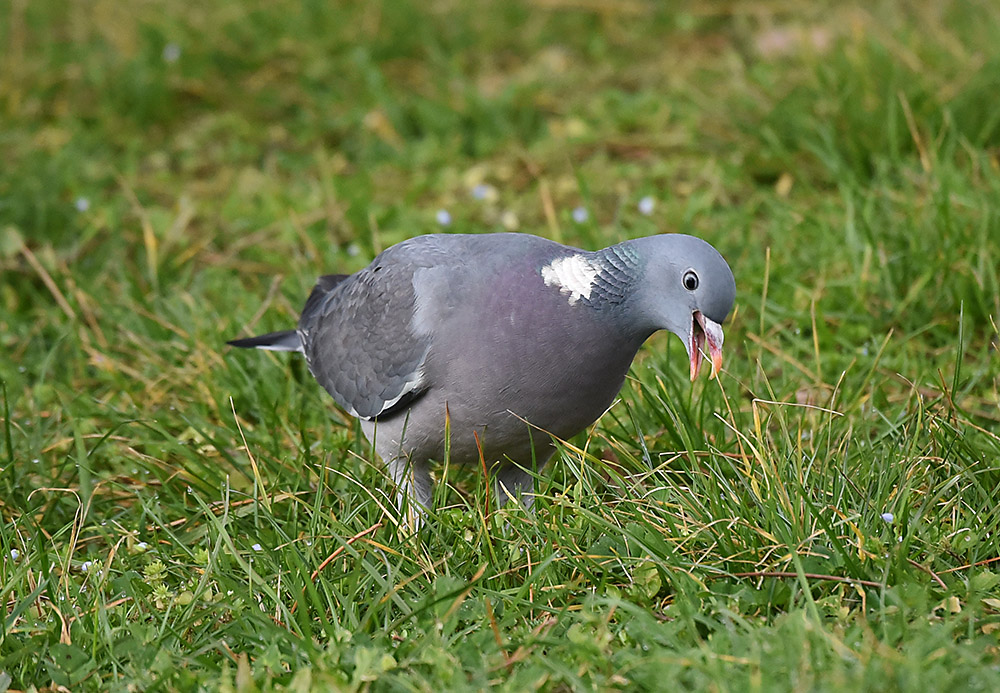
[[358, 334]]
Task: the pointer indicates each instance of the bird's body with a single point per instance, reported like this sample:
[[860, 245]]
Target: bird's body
[[482, 347]]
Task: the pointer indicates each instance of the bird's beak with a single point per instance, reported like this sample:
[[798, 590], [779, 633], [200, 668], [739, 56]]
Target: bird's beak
[[704, 331]]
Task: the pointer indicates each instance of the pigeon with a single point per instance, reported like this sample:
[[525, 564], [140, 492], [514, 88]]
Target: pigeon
[[485, 348]]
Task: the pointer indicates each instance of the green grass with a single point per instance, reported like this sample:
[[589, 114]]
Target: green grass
[[176, 172]]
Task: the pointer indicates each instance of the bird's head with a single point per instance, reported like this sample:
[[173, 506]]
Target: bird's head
[[686, 287]]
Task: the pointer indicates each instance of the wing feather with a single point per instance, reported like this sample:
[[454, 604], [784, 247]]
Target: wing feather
[[359, 338]]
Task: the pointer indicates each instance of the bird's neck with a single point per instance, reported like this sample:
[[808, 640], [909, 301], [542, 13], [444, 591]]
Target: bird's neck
[[618, 268]]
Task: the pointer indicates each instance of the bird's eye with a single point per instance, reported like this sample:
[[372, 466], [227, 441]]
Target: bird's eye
[[690, 280]]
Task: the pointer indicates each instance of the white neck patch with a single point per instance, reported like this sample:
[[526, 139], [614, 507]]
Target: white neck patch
[[573, 275]]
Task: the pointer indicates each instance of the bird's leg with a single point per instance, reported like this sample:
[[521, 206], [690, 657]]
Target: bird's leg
[[414, 488], [514, 482]]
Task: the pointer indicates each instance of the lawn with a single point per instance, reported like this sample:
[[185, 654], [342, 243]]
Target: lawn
[[176, 515]]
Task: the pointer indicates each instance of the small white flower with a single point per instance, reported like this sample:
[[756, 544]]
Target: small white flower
[[646, 205], [82, 204], [888, 517], [171, 53], [580, 215], [257, 547], [141, 546], [443, 217], [14, 554], [86, 566]]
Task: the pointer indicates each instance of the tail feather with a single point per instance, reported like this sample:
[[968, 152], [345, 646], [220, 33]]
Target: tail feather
[[287, 340]]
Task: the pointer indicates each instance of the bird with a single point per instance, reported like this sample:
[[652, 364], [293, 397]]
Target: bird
[[486, 348]]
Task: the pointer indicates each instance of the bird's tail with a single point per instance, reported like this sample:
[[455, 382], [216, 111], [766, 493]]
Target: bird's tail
[[287, 340]]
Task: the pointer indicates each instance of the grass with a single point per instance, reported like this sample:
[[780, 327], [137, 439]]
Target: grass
[[179, 517]]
